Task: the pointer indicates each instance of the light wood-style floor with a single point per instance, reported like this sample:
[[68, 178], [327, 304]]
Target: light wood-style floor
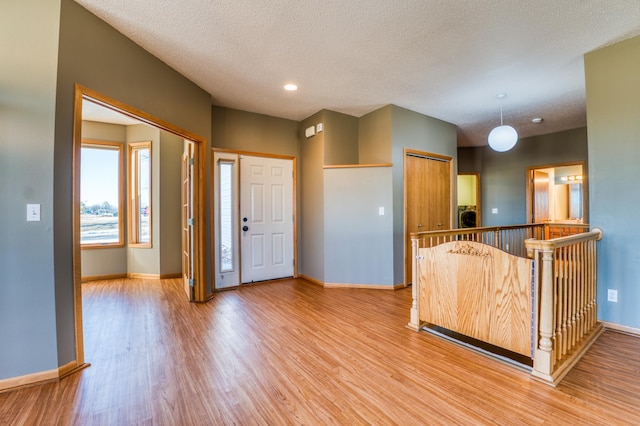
[[290, 352]]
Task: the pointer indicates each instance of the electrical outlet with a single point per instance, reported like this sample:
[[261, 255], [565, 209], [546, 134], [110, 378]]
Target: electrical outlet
[[612, 295], [494, 211]]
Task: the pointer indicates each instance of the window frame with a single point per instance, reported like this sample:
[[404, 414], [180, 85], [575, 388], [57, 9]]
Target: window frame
[[133, 205], [112, 146]]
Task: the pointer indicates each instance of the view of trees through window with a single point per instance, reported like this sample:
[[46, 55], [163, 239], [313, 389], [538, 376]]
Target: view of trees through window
[[100, 193]]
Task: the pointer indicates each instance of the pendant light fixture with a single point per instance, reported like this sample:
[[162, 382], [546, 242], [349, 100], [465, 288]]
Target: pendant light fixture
[[503, 137]]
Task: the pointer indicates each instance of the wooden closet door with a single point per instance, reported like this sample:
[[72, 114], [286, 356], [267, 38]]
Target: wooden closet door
[[427, 198]]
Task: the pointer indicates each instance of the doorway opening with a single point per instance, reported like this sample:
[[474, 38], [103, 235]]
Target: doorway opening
[[557, 193], [469, 203], [254, 218], [196, 285]]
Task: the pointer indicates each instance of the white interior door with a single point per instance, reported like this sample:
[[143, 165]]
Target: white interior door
[[266, 218]]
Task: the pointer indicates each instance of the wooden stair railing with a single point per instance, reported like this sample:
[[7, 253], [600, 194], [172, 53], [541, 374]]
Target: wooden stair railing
[[566, 312], [565, 320]]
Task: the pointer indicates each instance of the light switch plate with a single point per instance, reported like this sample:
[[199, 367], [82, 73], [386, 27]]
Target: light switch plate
[[33, 212], [494, 211]]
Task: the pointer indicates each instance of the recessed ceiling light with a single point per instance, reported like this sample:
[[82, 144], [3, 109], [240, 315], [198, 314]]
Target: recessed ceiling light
[[290, 87], [537, 120]]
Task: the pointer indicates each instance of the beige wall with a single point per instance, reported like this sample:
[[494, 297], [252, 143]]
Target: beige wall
[[146, 260]]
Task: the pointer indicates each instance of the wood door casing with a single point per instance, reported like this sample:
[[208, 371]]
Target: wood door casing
[[187, 219], [428, 197]]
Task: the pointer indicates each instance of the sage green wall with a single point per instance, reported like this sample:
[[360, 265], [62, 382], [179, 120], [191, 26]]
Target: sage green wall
[[412, 130], [170, 203], [97, 56], [29, 50], [374, 137], [248, 131], [503, 175], [146, 260], [340, 138], [358, 245], [311, 240], [258, 133], [613, 122], [105, 261]]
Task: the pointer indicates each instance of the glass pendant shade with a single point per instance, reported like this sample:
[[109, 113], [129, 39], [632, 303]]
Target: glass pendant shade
[[503, 138]]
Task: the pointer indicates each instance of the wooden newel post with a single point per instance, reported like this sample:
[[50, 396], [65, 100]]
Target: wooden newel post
[[543, 360], [414, 322]]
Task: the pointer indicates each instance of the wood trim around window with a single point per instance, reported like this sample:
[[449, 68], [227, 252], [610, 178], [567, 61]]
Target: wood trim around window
[[119, 146], [133, 206]]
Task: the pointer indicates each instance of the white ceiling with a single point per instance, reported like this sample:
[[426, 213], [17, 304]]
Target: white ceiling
[[444, 58]]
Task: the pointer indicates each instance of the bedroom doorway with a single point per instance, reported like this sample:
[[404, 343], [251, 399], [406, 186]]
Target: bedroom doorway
[[196, 199]]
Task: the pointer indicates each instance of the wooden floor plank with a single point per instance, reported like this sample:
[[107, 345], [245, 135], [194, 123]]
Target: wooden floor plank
[[290, 352]]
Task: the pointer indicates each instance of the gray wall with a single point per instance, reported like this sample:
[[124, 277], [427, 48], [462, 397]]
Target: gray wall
[[358, 245], [106, 261], [97, 56], [613, 119], [503, 174], [416, 131], [29, 47]]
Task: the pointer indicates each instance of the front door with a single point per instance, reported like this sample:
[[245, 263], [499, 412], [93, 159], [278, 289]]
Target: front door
[[427, 197], [266, 218]]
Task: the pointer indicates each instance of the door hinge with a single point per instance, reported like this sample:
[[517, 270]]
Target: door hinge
[[191, 221], [192, 282], [192, 161]]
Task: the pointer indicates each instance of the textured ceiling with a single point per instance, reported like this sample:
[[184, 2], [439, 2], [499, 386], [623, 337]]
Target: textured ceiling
[[444, 58]]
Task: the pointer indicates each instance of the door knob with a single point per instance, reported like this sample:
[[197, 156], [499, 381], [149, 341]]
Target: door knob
[[245, 228], [419, 225]]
